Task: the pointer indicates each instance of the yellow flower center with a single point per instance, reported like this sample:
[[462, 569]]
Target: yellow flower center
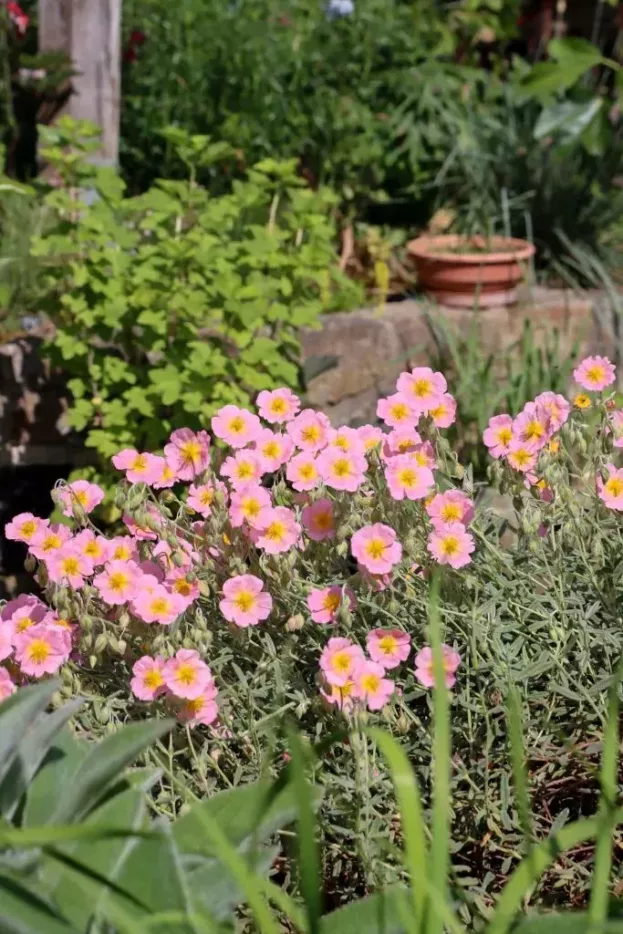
[[71, 565], [167, 473], [244, 600], [582, 401], [387, 644], [505, 435], [342, 467], [422, 388], [307, 472], [28, 528], [118, 581], [375, 548], [278, 406], [81, 496], [420, 458], [93, 549], [311, 433], [341, 662], [193, 707], [153, 679], [614, 486], [186, 674], [450, 545], [595, 373], [342, 442], [276, 531], [140, 463], [38, 651], [521, 457], [404, 445], [251, 507], [439, 412], [206, 497], [182, 587], [331, 602], [554, 447], [190, 451], [407, 477], [399, 411], [245, 470], [271, 449], [236, 425], [533, 431], [159, 606], [370, 683], [24, 623], [121, 553], [451, 512], [51, 543]]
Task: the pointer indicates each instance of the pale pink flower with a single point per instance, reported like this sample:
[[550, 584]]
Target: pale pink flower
[[69, 565], [371, 437], [200, 498], [342, 697], [122, 548], [242, 468], [41, 650], [532, 428], [24, 527], [26, 617], [346, 439], [6, 685], [6, 641], [444, 414], [95, 547], [318, 520], [521, 458], [247, 503], [400, 441], [423, 455], [342, 470], [388, 647], [405, 478], [118, 582], [187, 453], [245, 601], [498, 436], [302, 472], [611, 492], [556, 407], [451, 544], [371, 686], [139, 468], [148, 680], [310, 430], [423, 388], [278, 530], [451, 506], [49, 539], [236, 427], [186, 675], [594, 373], [200, 710], [339, 660], [425, 666], [376, 548], [157, 605], [397, 412], [274, 450], [323, 604], [24, 600], [163, 474], [376, 582], [178, 583], [278, 405]]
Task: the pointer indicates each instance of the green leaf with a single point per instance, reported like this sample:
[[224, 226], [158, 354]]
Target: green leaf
[[17, 713], [24, 912], [103, 765], [52, 779], [568, 117], [376, 914], [575, 53], [308, 856], [566, 923]]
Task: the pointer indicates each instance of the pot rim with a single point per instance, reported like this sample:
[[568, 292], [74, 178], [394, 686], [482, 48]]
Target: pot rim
[[421, 249]]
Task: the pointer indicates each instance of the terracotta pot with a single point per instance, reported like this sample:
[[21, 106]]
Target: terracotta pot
[[469, 279]]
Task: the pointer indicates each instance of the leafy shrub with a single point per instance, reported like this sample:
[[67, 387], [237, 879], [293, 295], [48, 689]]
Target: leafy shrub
[[308, 593], [169, 305]]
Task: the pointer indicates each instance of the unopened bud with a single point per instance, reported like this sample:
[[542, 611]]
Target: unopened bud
[[295, 623], [100, 643]]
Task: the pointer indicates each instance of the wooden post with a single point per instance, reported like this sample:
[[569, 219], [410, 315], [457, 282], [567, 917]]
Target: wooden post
[[89, 32]]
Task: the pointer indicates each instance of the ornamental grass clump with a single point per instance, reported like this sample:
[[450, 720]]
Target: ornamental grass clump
[[279, 564]]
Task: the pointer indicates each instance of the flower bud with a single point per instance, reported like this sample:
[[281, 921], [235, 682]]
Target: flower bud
[[101, 643], [295, 623]]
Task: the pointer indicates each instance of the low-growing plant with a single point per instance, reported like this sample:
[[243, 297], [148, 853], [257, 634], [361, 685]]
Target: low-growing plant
[[281, 566], [169, 305]]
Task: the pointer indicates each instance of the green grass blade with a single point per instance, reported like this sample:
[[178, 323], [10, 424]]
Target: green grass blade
[[309, 859], [518, 761]]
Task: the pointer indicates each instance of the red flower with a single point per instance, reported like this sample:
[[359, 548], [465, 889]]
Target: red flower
[[17, 17]]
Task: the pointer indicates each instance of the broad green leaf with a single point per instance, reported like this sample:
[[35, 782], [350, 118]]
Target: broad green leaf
[[24, 912], [566, 923], [568, 117], [575, 52], [102, 765], [52, 779], [17, 713], [376, 914]]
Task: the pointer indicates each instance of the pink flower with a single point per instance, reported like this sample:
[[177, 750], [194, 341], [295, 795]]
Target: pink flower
[[611, 492], [200, 498], [400, 441], [556, 407], [278, 530], [318, 520], [452, 506], [27, 616], [186, 675], [148, 680], [6, 685], [29, 600], [187, 453], [302, 472], [532, 428], [118, 582], [95, 547], [324, 604], [177, 581], [201, 710], [371, 686], [423, 388], [425, 666], [247, 503], [342, 470], [24, 527], [397, 412], [376, 548], [122, 548], [444, 414], [423, 455], [157, 605], [139, 468], [245, 602], [273, 449], [80, 495], [69, 565], [370, 436], [310, 430], [339, 660], [236, 427], [521, 458], [6, 641], [48, 540], [405, 478], [278, 405], [163, 474], [41, 650], [388, 647], [145, 532], [499, 435], [342, 697], [242, 468], [451, 544], [594, 373], [346, 439]]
